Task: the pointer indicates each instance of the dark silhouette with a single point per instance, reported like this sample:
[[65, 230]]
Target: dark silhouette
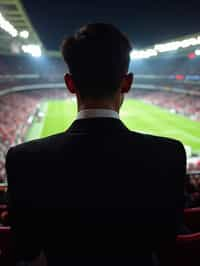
[[98, 193]]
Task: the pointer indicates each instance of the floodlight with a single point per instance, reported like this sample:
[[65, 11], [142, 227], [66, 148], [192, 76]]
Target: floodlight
[[197, 52], [7, 26], [24, 34], [166, 47], [139, 54], [33, 49], [188, 42]]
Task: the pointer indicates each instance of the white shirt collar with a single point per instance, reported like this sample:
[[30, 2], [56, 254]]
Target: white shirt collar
[[94, 113]]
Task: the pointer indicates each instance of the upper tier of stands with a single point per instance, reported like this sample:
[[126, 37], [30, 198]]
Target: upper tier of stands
[[20, 65], [45, 66], [167, 65]]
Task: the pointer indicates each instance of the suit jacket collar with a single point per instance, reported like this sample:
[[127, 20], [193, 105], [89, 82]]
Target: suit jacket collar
[[100, 113], [97, 125]]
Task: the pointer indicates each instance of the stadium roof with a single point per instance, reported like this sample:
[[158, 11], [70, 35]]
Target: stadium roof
[[16, 28], [178, 47], [17, 35]]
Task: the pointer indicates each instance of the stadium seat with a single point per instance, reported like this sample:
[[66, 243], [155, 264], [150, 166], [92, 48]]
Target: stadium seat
[[6, 248], [3, 207], [192, 219], [188, 250], [3, 215], [4, 218]]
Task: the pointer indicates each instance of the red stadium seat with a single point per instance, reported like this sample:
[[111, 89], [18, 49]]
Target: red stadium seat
[[3, 207], [3, 214], [3, 188], [4, 218], [188, 250], [6, 248], [192, 219]]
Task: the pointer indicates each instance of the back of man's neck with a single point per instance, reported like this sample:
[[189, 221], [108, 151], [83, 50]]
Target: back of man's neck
[[97, 106]]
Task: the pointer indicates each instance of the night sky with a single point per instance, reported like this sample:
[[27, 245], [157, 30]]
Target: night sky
[[146, 22]]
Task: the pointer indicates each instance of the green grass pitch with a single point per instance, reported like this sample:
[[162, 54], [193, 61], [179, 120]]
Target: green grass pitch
[[137, 115]]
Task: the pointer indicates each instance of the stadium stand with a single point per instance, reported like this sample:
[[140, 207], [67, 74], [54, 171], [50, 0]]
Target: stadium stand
[[15, 67], [16, 114], [168, 65], [187, 105], [15, 110]]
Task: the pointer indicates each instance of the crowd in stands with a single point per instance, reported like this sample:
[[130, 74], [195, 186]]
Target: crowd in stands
[[193, 165], [46, 94], [15, 110], [176, 102], [167, 65]]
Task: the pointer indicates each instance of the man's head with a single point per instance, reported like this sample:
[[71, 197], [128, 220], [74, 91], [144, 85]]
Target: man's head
[[98, 57]]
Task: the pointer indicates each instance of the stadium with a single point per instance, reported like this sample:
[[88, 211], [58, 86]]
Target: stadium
[[34, 102]]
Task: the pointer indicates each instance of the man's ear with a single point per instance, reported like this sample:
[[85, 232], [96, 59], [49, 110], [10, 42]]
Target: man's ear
[[127, 83], [70, 83]]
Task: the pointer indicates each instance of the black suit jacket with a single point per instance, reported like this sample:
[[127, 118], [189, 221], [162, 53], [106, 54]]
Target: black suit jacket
[[97, 192]]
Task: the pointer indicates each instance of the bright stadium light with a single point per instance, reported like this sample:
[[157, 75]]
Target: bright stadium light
[[197, 52], [139, 54], [170, 46], [7, 26], [189, 42], [198, 39], [166, 47], [33, 49], [24, 34]]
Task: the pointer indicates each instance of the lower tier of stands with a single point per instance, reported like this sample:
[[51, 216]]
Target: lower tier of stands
[[15, 110]]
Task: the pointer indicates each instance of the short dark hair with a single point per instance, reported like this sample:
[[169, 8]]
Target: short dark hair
[[98, 57]]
